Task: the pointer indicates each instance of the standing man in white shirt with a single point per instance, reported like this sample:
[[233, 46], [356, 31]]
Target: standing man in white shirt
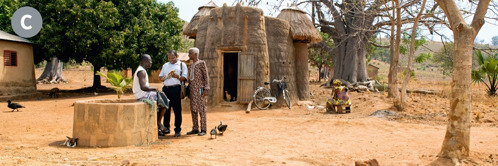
[[173, 73]]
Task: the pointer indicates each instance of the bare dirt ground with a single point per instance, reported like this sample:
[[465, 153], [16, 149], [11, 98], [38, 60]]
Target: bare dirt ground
[[278, 136]]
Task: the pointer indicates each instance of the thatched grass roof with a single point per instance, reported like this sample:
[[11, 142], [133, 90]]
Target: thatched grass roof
[[302, 28], [191, 29]]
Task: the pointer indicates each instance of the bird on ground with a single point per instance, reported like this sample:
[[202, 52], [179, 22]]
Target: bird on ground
[[14, 106], [213, 132], [70, 142], [222, 127], [228, 96], [310, 107]]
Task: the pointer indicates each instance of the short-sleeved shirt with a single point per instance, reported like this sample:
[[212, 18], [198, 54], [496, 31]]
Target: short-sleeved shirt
[[180, 69]]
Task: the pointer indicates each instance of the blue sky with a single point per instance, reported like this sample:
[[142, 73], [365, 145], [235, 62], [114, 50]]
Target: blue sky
[[188, 8]]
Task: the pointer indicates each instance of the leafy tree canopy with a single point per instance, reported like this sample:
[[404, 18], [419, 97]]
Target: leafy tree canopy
[[106, 33]]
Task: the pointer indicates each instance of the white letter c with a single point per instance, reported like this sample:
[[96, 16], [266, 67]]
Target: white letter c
[[22, 22]]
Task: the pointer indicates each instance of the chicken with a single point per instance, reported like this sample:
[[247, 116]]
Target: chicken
[[54, 93], [14, 106], [222, 127], [310, 107], [228, 97], [213, 132]]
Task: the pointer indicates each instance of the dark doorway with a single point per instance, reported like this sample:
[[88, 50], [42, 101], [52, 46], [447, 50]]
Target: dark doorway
[[230, 73]]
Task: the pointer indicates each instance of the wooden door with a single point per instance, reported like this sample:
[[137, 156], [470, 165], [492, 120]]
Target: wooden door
[[247, 78]]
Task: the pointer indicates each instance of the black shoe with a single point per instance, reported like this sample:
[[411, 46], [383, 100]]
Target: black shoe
[[160, 133], [166, 131], [202, 133], [177, 134], [192, 132]]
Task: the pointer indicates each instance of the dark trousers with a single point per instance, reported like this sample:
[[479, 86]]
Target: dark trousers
[[173, 94]]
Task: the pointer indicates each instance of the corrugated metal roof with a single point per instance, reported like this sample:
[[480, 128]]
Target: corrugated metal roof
[[14, 38]]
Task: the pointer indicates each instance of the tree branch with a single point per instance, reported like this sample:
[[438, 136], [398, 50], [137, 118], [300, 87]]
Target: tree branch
[[478, 19], [336, 15], [376, 45]]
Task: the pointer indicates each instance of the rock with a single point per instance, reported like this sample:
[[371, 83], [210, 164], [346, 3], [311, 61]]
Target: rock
[[372, 162], [125, 162], [93, 158], [383, 114], [362, 88]]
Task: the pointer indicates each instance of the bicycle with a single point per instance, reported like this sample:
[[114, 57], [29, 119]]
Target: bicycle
[[263, 98]]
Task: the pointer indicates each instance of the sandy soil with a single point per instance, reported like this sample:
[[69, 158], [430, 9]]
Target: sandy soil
[[278, 136]]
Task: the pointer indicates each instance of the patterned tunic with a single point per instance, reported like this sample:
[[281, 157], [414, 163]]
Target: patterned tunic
[[198, 78]]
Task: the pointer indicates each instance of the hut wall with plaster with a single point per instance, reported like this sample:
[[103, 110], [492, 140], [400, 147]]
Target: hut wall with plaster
[[243, 49]]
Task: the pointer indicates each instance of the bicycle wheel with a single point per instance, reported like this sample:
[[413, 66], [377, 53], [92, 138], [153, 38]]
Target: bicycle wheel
[[259, 98], [287, 99]]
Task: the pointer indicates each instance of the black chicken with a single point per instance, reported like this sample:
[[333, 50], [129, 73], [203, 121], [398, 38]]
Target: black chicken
[[213, 132], [14, 106], [222, 127]]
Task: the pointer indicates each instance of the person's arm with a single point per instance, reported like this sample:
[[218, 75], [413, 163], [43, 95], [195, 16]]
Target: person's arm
[[184, 73], [205, 76], [142, 82], [162, 77]]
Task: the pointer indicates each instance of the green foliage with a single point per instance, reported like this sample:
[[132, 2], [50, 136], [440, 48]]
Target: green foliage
[[319, 56], [118, 82], [423, 57], [412, 75], [109, 34], [444, 57], [377, 53], [7, 9], [487, 70]]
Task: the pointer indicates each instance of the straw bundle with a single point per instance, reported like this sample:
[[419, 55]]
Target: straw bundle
[[191, 29], [302, 28]]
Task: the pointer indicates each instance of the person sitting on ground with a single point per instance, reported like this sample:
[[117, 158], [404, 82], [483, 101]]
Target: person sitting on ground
[[340, 96], [142, 90]]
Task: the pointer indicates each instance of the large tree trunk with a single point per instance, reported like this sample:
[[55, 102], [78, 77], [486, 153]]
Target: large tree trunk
[[96, 78], [52, 74], [349, 60], [457, 139]]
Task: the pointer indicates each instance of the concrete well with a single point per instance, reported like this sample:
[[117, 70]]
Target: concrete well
[[109, 123]]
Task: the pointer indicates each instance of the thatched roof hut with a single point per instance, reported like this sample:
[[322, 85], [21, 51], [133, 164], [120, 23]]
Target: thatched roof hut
[[302, 32], [243, 49], [191, 29], [301, 27]]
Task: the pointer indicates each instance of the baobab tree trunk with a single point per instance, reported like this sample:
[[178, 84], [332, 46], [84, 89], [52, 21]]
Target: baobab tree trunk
[[349, 60], [52, 74], [457, 139]]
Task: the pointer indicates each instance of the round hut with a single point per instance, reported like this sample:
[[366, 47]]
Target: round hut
[[303, 33], [281, 53], [243, 49], [232, 41], [191, 29]]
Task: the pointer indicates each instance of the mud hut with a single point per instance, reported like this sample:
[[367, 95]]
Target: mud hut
[[191, 28], [243, 49], [302, 32]]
